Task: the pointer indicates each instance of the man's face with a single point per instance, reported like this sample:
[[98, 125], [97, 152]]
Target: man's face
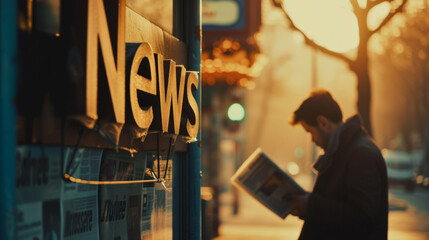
[[318, 134]]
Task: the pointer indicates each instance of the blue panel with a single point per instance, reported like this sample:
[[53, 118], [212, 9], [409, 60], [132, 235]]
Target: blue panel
[[187, 167], [240, 24], [8, 49]]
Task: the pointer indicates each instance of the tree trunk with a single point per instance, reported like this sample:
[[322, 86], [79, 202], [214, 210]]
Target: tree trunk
[[364, 98], [360, 67]]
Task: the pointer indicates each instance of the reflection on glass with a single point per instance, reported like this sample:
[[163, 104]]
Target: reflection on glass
[[159, 12]]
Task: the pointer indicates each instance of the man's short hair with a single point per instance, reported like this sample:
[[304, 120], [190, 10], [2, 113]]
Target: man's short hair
[[319, 103]]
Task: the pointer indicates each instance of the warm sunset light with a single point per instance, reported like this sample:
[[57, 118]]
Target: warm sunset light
[[331, 24], [214, 119]]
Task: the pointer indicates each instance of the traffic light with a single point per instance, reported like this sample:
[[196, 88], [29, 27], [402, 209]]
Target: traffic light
[[236, 112], [234, 118]]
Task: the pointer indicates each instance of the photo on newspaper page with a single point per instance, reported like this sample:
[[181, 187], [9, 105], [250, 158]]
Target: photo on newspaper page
[[260, 177]]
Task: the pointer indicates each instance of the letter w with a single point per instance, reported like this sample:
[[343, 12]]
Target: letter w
[[172, 77]]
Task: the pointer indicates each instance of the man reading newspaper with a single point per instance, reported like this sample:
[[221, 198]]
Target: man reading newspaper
[[349, 199]]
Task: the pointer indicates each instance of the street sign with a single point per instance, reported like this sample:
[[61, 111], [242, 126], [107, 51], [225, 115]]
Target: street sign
[[224, 14]]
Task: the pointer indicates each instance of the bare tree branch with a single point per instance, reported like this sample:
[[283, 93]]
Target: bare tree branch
[[389, 17], [374, 3], [355, 5], [313, 44], [308, 41]]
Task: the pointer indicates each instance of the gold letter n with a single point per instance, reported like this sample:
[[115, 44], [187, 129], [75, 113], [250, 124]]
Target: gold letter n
[[98, 28]]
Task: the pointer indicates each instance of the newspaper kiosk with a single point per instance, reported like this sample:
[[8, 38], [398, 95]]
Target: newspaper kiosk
[[104, 99]]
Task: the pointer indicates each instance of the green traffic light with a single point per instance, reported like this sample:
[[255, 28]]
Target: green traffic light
[[236, 112]]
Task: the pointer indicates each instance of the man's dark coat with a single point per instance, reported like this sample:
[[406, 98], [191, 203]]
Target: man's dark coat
[[350, 196]]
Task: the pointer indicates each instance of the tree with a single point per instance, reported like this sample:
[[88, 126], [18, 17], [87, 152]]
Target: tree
[[405, 59], [359, 65]]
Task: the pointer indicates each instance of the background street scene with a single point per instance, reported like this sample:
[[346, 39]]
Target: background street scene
[[305, 45]]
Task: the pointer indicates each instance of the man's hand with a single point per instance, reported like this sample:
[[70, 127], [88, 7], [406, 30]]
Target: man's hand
[[300, 202]]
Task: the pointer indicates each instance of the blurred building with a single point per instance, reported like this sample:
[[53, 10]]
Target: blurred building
[[229, 62]]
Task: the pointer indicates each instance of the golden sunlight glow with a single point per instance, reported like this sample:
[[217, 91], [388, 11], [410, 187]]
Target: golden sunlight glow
[[293, 168], [331, 24], [362, 3], [251, 85], [378, 14]]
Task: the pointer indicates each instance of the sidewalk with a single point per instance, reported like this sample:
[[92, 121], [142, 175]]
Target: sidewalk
[[254, 222]]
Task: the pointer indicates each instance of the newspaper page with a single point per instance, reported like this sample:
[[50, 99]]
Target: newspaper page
[[38, 184], [148, 204], [157, 203], [120, 205], [266, 182], [79, 202]]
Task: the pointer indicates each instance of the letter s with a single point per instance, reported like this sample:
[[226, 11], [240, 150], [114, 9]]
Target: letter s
[[192, 82]]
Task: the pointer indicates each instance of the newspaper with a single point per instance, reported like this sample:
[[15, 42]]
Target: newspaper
[[157, 203], [120, 205], [38, 185], [79, 202], [48, 207], [260, 177]]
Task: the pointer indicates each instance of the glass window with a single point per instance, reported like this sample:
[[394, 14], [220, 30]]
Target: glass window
[[159, 12]]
